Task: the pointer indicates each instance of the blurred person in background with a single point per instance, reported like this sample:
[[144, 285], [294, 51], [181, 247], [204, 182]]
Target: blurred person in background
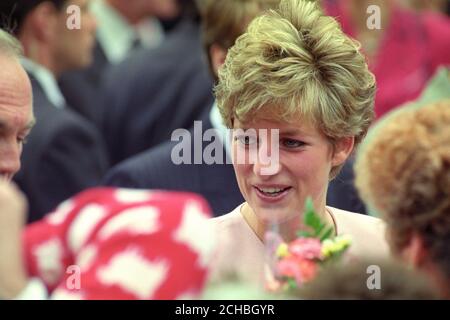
[[403, 174], [156, 91], [352, 282], [64, 153], [403, 54], [122, 27], [428, 5], [438, 88]]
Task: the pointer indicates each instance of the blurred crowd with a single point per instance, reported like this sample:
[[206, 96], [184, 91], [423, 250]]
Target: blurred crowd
[[97, 96]]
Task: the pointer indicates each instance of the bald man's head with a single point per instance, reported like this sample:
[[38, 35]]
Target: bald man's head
[[16, 113]]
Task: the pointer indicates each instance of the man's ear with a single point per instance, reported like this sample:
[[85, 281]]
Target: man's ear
[[42, 21], [217, 55], [415, 253], [343, 147]]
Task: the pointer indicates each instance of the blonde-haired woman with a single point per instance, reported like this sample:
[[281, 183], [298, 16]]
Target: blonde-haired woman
[[403, 173], [295, 71]]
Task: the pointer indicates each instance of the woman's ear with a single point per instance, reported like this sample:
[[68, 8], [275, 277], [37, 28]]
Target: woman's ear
[[343, 147], [217, 55]]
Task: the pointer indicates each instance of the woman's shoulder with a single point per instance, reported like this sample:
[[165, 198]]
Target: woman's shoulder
[[352, 217], [229, 220], [437, 31], [351, 222], [231, 227], [368, 232]]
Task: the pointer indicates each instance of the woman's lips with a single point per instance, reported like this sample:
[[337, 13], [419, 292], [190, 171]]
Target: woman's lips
[[272, 193]]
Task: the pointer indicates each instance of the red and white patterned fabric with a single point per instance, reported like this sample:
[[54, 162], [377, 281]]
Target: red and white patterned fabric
[[123, 244]]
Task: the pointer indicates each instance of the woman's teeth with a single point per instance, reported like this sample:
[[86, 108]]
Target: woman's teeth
[[272, 191]]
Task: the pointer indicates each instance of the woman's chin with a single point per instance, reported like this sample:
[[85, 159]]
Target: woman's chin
[[274, 214]]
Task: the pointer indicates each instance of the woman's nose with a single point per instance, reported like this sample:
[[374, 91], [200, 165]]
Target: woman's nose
[[267, 160]]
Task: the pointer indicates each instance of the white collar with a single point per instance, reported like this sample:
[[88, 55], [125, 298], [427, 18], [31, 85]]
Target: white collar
[[46, 80], [221, 129], [116, 35]]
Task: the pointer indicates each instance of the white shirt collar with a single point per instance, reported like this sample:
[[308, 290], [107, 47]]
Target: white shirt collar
[[116, 35], [221, 129], [46, 80]]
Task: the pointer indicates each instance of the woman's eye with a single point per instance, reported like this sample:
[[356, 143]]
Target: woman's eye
[[291, 143], [246, 140]]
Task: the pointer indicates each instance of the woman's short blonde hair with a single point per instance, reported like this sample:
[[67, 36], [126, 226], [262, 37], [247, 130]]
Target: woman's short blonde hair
[[403, 173], [297, 62]]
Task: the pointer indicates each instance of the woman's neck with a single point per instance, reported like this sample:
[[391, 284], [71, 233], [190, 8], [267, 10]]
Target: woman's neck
[[287, 229]]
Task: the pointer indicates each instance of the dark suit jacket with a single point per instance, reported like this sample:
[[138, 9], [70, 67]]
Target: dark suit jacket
[[64, 155], [155, 92], [154, 169], [81, 87], [342, 193]]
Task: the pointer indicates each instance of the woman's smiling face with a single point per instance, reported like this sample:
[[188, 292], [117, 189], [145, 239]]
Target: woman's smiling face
[[305, 159]]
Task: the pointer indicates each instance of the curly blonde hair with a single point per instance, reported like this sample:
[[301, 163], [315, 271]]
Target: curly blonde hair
[[403, 173], [296, 63]]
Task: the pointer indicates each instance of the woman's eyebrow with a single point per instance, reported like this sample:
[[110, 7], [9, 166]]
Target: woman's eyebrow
[[292, 132]]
